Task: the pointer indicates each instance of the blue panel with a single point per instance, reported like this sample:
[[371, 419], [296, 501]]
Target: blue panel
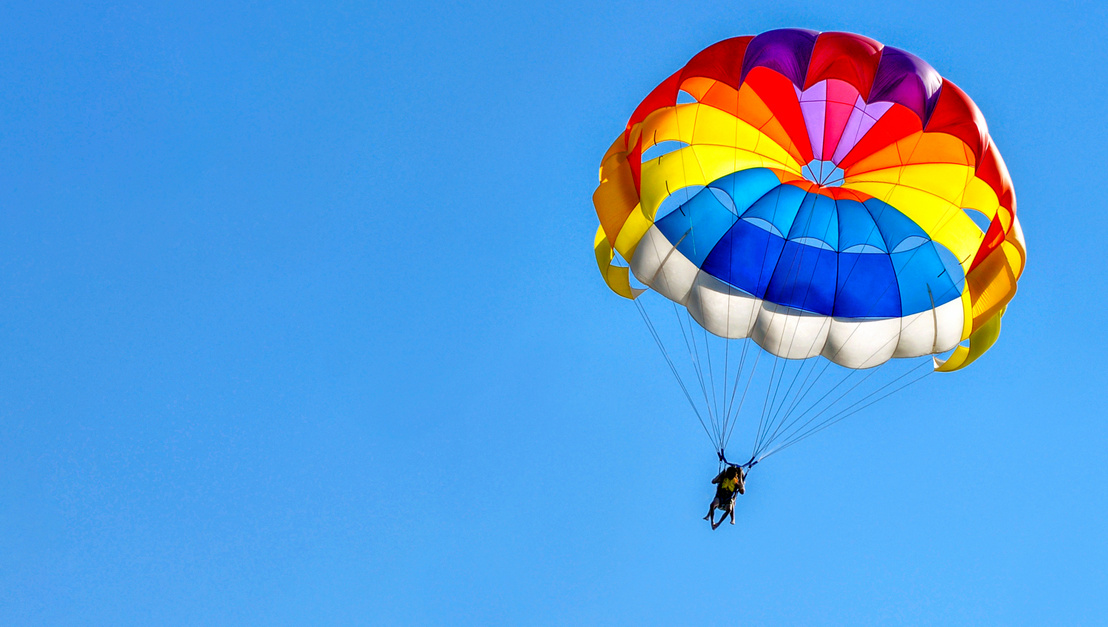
[[697, 225], [895, 226], [779, 207], [804, 278], [953, 269], [866, 287], [816, 219], [745, 258], [922, 277], [745, 187], [676, 198], [856, 226]]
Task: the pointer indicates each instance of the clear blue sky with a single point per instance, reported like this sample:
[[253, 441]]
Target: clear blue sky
[[301, 325]]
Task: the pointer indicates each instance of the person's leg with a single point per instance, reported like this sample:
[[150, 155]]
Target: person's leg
[[712, 509], [732, 512]]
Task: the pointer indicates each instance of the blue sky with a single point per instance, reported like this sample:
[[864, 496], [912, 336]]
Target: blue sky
[[301, 325]]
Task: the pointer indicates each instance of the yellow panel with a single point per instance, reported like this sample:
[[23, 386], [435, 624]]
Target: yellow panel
[[1016, 237], [1005, 218], [617, 277], [979, 342], [636, 226], [946, 180], [981, 197], [1014, 256], [967, 314], [695, 165], [991, 285], [696, 123]]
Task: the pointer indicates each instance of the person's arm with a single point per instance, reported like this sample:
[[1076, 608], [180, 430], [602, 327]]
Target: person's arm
[[718, 478]]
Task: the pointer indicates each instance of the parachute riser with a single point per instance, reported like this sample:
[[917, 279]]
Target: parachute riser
[[723, 462]]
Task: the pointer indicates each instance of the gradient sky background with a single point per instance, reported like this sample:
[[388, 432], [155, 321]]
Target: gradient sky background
[[301, 325]]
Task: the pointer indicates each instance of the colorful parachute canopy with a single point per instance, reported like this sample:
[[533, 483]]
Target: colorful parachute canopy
[[819, 193]]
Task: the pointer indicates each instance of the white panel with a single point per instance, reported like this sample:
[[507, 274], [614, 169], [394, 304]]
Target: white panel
[[661, 266], [950, 318], [862, 344], [722, 309], [790, 333], [917, 335], [650, 252]]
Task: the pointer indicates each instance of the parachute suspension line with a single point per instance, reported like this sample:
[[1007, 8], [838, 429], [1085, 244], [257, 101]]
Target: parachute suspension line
[[869, 374], [792, 384], [694, 357], [749, 380], [805, 387], [725, 410], [669, 362], [711, 381], [852, 409], [772, 414], [735, 388], [769, 387], [800, 432]]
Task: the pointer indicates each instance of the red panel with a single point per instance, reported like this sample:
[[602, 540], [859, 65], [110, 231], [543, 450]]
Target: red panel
[[847, 57], [722, 61], [664, 95], [957, 115], [779, 94], [992, 170], [898, 123], [841, 97], [993, 238]]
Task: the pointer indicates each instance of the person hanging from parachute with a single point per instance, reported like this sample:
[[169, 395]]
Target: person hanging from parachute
[[826, 205], [730, 482]]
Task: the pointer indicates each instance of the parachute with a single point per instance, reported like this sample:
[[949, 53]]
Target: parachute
[[833, 201]]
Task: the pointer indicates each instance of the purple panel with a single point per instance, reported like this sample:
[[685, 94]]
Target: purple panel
[[813, 106], [787, 51], [861, 121], [906, 79]]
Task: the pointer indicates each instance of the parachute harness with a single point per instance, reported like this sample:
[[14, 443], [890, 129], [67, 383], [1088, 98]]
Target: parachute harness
[[723, 461]]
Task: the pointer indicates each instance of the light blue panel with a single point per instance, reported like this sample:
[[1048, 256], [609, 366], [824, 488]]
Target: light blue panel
[[922, 278], [696, 226], [895, 227], [779, 207], [857, 227], [746, 187], [817, 219]]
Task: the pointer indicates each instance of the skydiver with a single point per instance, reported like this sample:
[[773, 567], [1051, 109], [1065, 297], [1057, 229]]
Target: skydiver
[[731, 480]]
